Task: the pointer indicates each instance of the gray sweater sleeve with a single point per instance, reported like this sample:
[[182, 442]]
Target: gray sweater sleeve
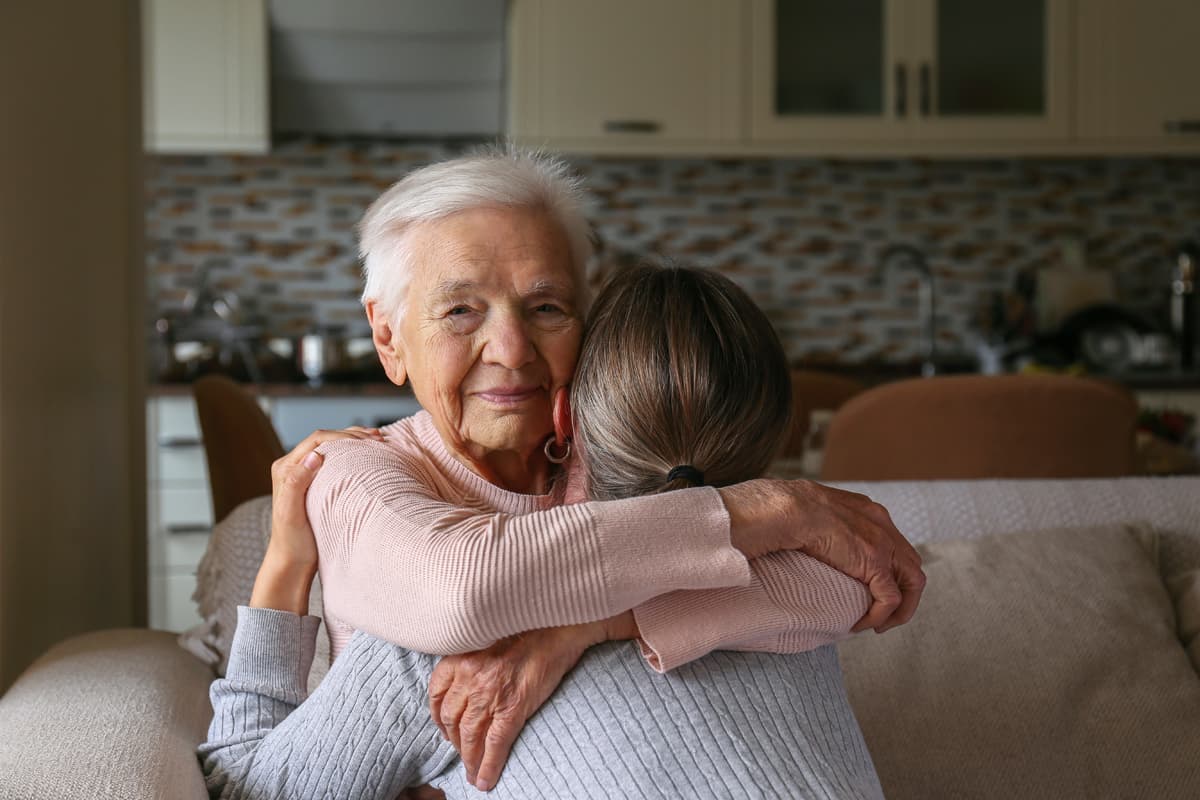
[[356, 736]]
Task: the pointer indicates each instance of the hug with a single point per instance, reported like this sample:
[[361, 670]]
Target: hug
[[577, 509]]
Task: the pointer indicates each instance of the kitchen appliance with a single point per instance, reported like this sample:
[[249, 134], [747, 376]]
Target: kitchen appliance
[[1069, 285], [1112, 339], [1183, 302]]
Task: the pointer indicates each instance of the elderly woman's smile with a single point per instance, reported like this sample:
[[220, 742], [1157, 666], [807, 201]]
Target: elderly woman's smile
[[489, 328]]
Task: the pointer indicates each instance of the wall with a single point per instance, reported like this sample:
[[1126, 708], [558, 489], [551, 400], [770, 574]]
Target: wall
[[802, 235], [72, 480]]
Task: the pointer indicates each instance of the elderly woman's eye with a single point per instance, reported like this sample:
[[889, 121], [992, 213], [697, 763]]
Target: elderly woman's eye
[[459, 310], [548, 308]]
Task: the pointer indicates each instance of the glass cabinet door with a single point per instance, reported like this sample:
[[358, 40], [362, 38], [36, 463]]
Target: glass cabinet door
[[897, 75], [992, 68], [823, 68], [991, 58], [829, 57]]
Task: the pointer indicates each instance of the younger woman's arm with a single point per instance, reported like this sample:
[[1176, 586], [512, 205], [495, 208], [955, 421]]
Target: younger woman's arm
[[266, 740]]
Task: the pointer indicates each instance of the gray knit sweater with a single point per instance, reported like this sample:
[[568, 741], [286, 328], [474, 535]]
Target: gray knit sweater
[[729, 725]]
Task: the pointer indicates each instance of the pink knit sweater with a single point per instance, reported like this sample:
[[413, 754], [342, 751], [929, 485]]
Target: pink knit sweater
[[417, 549]]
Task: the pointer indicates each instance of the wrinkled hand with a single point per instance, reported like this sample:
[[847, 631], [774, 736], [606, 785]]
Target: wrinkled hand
[[481, 700], [848, 531]]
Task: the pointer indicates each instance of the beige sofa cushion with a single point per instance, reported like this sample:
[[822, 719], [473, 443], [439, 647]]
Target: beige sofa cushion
[[1042, 664], [109, 714]]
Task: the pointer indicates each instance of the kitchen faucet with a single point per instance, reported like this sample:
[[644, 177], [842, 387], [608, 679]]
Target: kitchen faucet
[[905, 255]]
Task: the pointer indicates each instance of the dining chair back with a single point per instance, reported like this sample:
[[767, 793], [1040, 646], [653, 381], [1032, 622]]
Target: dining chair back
[[240, 443], [964, 427]]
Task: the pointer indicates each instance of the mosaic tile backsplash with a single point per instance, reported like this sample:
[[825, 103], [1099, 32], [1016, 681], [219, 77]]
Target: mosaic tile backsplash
[[802, 236]]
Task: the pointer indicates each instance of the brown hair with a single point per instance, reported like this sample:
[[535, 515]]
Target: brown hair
[[678, 367]]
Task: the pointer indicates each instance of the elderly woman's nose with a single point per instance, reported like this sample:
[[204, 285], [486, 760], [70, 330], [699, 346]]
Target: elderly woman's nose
[[509, 343]]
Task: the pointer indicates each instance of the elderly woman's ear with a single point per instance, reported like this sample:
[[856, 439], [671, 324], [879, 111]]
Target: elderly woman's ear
[[563, 429], [387, 343]]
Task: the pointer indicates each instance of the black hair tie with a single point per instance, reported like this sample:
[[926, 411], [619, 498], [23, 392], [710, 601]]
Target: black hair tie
[[688, 473]]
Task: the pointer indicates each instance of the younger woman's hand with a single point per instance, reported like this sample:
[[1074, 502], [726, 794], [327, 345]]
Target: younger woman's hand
[[291, 535], [285, 576]]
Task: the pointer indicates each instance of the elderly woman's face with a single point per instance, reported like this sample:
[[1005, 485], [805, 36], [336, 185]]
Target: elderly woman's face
[[491, 327]]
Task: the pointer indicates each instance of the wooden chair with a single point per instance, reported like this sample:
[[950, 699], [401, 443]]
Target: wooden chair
[[812, 391], [962, 427], [240, 442]]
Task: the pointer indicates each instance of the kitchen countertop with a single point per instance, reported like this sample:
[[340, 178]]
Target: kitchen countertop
[[870, 374], [874, 373]]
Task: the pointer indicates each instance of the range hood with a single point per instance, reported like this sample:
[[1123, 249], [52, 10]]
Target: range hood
[[387, 67]]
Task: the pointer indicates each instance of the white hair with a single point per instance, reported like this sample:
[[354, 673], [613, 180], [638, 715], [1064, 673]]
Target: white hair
[[489, 177]]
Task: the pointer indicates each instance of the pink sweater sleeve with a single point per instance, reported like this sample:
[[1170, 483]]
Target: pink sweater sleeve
[[794, 603], [405, 565]]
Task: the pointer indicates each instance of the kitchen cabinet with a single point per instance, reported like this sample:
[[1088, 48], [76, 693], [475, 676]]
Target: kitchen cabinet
[[910, 75], [179, 513], [205, 76], [178, 499], [626, 75], [796, 77], [1136, 75]]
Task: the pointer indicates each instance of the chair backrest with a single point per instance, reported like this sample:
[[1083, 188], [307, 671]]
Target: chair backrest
[[811, 391], [240, 443], [963, 427]]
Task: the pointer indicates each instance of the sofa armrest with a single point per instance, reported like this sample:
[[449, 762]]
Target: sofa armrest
[[112, 714]]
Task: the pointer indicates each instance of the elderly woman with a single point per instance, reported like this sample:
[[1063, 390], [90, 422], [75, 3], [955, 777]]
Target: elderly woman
[[448, 535], [728, 725]]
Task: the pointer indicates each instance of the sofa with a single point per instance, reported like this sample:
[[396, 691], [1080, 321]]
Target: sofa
[[1056, 654]]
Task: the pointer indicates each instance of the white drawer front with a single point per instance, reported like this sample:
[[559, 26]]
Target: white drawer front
[[177, 418], [183, 551], [180, 509], [171, 606], [181, 463]]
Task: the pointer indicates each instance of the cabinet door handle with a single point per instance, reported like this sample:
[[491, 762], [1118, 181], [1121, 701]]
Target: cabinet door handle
[[901, 90], [178, 442], [926, 79], [188, 527], [1182, 126], [631, 126]]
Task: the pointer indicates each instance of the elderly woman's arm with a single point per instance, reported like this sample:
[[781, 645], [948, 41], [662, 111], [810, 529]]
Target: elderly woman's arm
[[400, 562], [793, 604], [417, 570]]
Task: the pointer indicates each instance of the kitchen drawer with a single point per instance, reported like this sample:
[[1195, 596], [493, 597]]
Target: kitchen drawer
[[171, 605], [180, 461], [175, 418], [181, 509], [183, 550], [174, 451]]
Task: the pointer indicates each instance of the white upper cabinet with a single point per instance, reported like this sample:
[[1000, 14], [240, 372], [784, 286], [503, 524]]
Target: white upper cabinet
[[205, 76], [626, 75], [1138, 77], [909, 75]]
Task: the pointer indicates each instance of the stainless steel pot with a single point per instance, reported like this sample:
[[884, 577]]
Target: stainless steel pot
[[325, 355]]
